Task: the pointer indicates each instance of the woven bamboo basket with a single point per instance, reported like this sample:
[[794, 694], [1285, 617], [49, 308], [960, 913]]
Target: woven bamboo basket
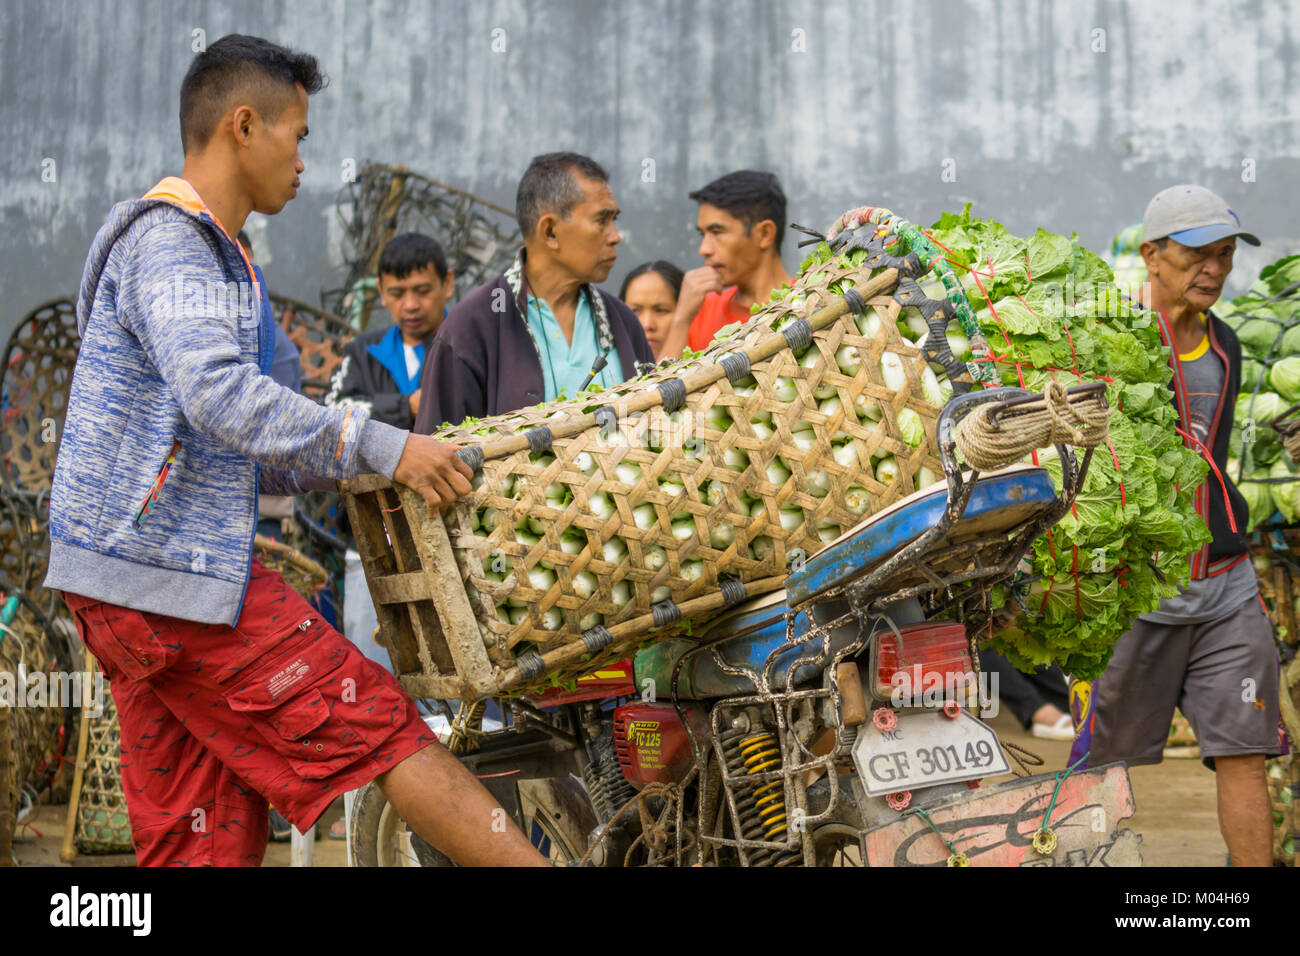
[[102, 824], [618, 498], [1281, 776], [8, 813], [299, 571], [33, 725], [1277, 568]]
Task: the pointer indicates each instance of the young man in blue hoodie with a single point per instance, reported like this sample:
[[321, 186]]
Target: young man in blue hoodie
[[230, 689]]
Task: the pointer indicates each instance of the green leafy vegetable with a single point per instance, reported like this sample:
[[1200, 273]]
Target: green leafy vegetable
[[1051, 311]]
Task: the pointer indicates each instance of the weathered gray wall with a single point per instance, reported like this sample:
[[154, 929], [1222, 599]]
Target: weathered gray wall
[[1068, 115]]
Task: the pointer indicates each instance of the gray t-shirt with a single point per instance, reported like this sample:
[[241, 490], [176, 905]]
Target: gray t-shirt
[[1208, 598]]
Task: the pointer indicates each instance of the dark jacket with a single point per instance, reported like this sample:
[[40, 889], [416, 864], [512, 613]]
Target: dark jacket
[[363, 378], [484, 362], [1228, 546]]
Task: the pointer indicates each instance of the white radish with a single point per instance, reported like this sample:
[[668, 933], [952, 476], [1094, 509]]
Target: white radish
[[791, 518], [857, 500], [848, 359], [585, 584], [817, 483], [601, 505], [644, 516], [893, 372], [868, 408]]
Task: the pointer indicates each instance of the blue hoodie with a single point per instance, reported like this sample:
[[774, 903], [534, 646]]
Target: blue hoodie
[[172, 426]]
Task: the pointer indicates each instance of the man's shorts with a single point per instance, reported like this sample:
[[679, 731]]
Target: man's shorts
[[217, 720], [1222, 674]]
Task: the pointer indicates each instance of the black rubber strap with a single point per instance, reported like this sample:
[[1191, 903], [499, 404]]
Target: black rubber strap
[[665, 613], [531, 665], [733, 590], [471, 455], [673, 394], [736, 365], [798, 335], [597, 637], [606, 418], [856, 302], [539, 439]]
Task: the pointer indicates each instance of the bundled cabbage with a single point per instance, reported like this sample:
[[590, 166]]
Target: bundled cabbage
[[1285, 490], [1267, 322], [1050, 311], [1256, 491]]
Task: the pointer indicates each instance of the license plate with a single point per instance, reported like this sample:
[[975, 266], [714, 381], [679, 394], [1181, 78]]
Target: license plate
[[924, 750]]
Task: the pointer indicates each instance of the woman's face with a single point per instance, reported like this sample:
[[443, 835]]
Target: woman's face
[[652, 299]]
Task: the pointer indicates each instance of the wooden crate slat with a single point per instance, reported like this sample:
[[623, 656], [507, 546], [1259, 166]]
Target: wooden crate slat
[[399, 588], [459, 625]]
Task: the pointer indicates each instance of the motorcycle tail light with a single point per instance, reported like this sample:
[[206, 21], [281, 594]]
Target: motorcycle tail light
[[929, 661], [651, 742]]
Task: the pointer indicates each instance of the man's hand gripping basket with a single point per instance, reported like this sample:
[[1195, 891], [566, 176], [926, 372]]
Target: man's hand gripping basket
[[606, 521]]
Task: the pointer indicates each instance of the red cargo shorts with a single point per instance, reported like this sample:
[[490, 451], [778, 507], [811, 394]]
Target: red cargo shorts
[[217, 720]]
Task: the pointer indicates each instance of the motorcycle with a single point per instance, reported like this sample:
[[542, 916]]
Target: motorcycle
[[836, 722]]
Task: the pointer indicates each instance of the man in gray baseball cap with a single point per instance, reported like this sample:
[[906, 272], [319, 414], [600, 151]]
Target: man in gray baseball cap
[[1192, 216], [1202, 649]]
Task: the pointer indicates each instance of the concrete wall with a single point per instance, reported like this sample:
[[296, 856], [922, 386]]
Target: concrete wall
[[1068, 115]]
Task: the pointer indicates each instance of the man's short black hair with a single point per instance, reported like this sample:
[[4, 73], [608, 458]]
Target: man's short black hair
[[549, 185], [241, 66], [410, 251], [749, 195]]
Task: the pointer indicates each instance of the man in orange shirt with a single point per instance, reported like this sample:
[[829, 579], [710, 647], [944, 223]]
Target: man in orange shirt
[[741, 223]]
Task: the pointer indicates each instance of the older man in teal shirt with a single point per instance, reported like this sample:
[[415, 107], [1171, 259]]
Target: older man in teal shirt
[[544, 327], [566, 366]]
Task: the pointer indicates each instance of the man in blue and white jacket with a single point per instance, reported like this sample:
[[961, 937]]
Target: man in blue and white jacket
[[230, 689]]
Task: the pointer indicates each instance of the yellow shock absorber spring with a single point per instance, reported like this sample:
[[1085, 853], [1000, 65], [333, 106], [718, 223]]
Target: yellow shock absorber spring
[[761, 753]]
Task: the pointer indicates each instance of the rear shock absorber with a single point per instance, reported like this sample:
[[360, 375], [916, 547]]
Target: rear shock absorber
[[603, 777], [760, 806]]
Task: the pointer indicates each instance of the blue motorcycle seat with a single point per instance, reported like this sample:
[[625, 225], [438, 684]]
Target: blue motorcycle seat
[[999, 502]]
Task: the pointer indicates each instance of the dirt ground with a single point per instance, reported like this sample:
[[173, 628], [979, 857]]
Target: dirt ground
[[1175, 800]]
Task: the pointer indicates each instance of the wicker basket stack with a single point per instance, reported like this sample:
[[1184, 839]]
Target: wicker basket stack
[[30, 694]]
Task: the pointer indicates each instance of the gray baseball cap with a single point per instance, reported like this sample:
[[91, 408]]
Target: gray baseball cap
[[1193, 216]]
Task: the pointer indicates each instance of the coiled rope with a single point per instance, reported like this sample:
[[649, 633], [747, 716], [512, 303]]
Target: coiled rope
[[991, 437]]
